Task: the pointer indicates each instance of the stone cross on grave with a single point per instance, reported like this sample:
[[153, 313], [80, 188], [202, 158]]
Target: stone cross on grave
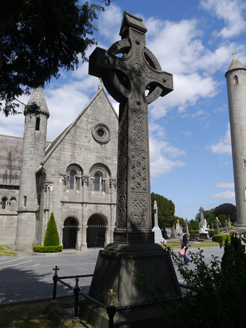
[[226, 225], [217, 224], [134, 80]]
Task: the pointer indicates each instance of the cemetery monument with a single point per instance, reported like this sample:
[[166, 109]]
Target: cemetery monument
[[203, 227], [127, 78], [157, 231]]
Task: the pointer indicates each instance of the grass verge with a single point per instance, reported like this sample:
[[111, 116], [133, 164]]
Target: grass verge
[[3, 253], [176, 246]]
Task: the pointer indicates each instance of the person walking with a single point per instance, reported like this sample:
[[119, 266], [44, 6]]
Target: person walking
[[184, 244]]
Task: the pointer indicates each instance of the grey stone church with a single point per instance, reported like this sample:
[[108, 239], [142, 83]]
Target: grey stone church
[[74, 177]]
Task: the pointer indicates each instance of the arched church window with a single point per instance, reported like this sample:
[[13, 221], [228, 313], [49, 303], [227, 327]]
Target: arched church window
[[37, 123], [4, 203], [236, 79], [71, 180], [97, 177], [25, 200]]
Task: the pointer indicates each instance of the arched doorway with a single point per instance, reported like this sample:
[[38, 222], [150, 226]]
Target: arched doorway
[[70, 230], [96, 231]]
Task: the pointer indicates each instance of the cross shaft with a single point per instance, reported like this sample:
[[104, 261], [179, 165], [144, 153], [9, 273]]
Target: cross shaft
[[126, 79]]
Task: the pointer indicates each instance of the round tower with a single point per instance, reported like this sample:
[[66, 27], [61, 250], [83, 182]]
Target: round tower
[[236, 89], [34, 143]]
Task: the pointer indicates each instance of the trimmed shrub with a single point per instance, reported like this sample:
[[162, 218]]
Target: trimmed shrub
[[221, 238], [47, 249], [51, 237], [229, 228], [196, 231]]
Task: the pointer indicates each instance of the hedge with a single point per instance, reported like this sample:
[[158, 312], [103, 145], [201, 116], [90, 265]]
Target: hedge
[[221, 238], [211, 232], [47, 249], [196, 231]]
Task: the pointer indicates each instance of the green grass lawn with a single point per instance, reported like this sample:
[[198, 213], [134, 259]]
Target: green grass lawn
[[176, 246], [3, 253]]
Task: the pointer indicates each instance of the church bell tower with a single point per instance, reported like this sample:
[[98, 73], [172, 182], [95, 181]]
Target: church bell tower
[[34, 143], [236, 88]]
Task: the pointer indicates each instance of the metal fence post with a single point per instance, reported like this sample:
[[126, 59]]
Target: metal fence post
[[111, 310], [76, 291], [54, 301]]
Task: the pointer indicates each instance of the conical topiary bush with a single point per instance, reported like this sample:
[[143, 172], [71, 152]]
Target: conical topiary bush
[[51, 236]]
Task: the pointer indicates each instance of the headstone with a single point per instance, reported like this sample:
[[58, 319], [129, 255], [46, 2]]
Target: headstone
[[178, 230], [229, 221], [203, 228], [167, 232], [217, 225], [226, 226], [173, 232], [212, 226], [157, 231], [187, 227], [127, 78]]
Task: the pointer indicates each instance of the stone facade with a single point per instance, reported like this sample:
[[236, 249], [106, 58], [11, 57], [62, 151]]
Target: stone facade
[[74, 176]]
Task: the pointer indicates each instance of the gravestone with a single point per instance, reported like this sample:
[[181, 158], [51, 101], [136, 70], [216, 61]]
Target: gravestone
[[178, 230], [226, 226], [229, 221], [203, 228], [217, 225], [127, 78], [187, 227], [212, 226], [157, 231]]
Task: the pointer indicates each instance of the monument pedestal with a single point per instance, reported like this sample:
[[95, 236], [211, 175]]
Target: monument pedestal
[[203, 236], [115, 270], [238, 229], [140, 317]]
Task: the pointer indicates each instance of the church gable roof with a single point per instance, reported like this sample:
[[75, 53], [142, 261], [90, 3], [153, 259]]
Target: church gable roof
[[53, 146]]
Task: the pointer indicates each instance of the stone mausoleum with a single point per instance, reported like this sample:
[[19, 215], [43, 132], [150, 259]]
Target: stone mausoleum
[[74, 177]]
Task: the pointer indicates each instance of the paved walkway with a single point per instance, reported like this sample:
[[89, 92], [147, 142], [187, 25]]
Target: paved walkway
[[27, 277]]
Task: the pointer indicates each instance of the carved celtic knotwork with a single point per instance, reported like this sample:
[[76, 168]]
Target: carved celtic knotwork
[[126, 79]]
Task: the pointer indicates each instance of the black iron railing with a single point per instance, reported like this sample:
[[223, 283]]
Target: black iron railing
[[111, 309]]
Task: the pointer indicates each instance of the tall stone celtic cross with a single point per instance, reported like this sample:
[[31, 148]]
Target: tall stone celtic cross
[[134, 79]]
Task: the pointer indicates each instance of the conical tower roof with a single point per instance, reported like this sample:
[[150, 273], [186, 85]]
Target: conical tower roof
[[235, 64], [37, 98]]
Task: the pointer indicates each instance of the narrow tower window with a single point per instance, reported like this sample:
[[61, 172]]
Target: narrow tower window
[[236, 79], [244, 164], [37, 123], [97, 182], [25, 200], [72, 176], [4, 203]]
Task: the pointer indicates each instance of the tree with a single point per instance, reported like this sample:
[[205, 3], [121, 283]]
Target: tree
[[228, 210], [215, 294], [181, 220], [193, 225], [51, 236], [37, 39], [166, 209]]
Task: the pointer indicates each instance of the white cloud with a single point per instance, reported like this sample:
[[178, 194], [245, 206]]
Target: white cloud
[[187, 133], [109, 22], [225, 185], [159, 162], [224, 146], [188, 89], [227, 195], [231, 11]]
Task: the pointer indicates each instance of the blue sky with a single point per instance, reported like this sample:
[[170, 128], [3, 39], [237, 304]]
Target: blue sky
[[190, 147]]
